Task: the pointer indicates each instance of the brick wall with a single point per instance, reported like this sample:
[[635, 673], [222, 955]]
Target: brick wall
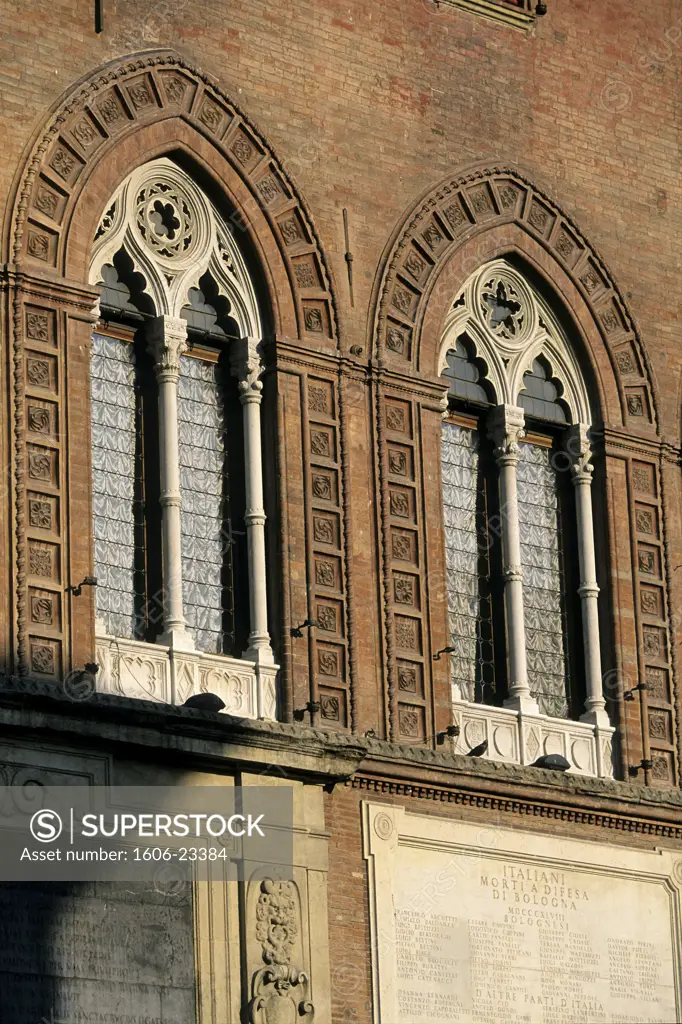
[[367, 106]]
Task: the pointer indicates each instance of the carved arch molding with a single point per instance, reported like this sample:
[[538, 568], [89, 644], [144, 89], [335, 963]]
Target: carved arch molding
[[417, 286], [116, 102], [166, 104], [462, 207]]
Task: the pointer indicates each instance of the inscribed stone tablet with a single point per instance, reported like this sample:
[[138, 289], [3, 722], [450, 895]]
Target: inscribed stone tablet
[[483, 925]]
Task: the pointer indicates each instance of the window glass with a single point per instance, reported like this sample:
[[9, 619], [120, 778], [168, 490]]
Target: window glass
[[471, 543], [114, 449], [205, 514], [544, 590]]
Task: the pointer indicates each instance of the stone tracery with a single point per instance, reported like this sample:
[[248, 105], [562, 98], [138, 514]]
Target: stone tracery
[[509, 326], [174, 235]]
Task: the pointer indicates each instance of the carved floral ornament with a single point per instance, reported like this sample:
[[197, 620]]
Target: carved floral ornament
[[509, 326], [461, 208], [173, 235], [280, 989]]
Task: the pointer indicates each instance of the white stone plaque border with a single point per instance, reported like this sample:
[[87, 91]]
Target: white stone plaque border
[[389, 829]]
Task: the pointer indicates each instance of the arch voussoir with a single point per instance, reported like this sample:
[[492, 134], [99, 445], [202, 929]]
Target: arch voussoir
[[476, 205], [131, 95]]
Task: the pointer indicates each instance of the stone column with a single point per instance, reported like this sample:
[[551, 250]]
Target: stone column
[[167, 340], [505, 428], [579, 450], [246, 367]]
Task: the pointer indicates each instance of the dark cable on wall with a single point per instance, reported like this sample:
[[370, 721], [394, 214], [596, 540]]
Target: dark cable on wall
[[348, 256]]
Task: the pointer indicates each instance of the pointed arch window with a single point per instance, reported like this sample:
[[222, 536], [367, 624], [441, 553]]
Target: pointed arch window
[[522, 593], [175, 399]]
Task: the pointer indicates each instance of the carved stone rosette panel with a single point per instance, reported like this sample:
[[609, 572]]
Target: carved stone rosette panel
[[329, 641], [651, 610], [460, 208], [408, 668], [41, 550]]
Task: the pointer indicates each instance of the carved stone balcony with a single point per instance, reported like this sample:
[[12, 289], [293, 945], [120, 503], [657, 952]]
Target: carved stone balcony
[[519, 738], [153, 672]]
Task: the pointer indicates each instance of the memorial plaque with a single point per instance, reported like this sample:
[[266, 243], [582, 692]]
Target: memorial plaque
[[95, 953], [483, 925]]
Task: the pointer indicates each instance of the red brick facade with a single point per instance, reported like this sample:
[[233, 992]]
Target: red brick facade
[[449, 139]]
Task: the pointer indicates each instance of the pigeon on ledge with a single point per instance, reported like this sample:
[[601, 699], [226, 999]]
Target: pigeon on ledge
[[204, 702]]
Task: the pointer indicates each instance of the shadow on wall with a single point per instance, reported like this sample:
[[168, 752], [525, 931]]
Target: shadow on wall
[[94, 952]]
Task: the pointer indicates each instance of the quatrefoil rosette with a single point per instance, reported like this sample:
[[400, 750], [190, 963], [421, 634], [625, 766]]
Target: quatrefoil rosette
[[174, 235], [504, 305], [169, 221], [509, 325]]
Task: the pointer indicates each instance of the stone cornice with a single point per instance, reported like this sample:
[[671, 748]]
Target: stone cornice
[[615, 441], [40, 710], [287, 355], [62, 290], [204, 739], [417, 771]]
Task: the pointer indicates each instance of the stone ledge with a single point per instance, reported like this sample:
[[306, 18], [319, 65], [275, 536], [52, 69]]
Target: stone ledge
[[453, 769], [210, 739], [155, 673], [495, 11], [518, 737], [207, 737]]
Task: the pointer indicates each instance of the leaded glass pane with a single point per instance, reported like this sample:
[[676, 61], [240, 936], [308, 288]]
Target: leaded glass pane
[[464, 376], [467, 562], [202, 450], [539, 396], [543, 582], [113, 411]]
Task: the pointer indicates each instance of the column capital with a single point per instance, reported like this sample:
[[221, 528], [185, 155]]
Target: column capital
[[246, 366], [579, 450], [506, 429], [166, 342], [96, 313]]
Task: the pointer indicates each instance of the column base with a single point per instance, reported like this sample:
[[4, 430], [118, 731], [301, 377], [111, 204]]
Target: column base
[[177, 640], [259, 649], [259, 654], [596, 716], [523, 702]]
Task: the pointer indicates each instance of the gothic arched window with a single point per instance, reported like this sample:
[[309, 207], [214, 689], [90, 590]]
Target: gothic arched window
[[175, 399], [522, 592]]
